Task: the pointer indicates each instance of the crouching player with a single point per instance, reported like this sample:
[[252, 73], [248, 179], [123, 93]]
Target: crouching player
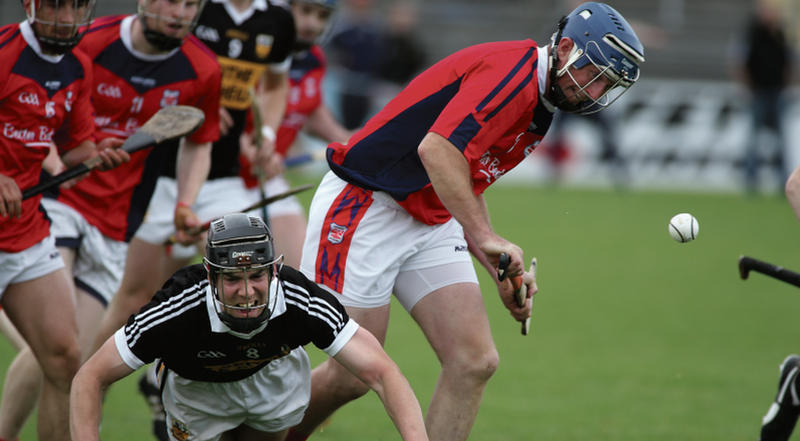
[[228, 335]]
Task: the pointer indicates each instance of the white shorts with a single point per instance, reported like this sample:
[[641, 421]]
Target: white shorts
[[37, 261], [273, 399], [99, 260], [363, 246], [217, 197]]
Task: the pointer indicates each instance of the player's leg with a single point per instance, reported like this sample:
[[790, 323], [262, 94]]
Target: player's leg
[[286, 219], [10, 332], [439, 287], [43, 311], [289, 232], [19, 398], [780, 420], [20, 393], [137, 287], [454, 321]]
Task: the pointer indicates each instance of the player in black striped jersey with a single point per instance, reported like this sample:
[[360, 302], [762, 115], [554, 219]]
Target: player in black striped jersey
[[229, 334]]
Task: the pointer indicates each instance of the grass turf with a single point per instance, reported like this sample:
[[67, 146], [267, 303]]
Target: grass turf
[[634, 336]]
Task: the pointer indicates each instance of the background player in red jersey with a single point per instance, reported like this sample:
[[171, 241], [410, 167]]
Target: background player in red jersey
[[404, 199], [140, 64], [45, 96]]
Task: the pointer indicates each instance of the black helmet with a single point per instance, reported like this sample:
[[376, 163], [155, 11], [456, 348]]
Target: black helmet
[[240, 244]]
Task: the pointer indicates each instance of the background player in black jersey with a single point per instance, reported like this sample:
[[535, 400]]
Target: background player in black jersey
[[229, 335]]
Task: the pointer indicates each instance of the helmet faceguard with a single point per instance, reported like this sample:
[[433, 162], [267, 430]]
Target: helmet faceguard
[[601, 37], [241, 265], [179, 16], [59, 25]]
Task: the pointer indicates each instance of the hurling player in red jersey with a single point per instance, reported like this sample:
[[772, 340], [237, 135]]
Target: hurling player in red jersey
[[45, 94], [403, 202], [141, 63]]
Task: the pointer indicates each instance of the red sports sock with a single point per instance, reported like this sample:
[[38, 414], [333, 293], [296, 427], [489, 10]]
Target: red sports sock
[[292, 436]]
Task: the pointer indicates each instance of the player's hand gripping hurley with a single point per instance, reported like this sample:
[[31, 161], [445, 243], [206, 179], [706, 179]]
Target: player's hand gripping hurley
[[520, 288], [166, 124]]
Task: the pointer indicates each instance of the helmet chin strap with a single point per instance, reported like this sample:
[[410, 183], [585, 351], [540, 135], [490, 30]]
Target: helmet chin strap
[[163, 43]]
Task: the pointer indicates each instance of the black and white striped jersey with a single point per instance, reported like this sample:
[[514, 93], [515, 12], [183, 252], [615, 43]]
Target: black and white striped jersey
[[181, 327]]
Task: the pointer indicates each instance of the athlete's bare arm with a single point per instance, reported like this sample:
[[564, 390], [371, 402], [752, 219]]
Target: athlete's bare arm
[[450, 176], [322, 123], [191, 170], [90, 383], [271, 95], [366, 359]]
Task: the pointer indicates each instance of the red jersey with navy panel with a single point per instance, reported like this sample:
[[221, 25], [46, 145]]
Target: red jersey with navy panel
[[484, 99], [43, 99], [129, 87]]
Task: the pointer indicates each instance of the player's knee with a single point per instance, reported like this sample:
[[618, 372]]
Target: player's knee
[[474, 366], [60, 364]]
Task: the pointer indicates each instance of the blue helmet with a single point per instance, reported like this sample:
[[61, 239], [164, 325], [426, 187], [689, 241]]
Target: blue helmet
[[603, 37]]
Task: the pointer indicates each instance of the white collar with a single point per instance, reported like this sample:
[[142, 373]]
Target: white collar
[[542, 71], [30, 38], [125, 34], [241, 17], [219, 326]]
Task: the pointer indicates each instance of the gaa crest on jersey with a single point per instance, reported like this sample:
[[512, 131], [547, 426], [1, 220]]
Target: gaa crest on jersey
[[170, 97], [179, 431], [263, 45], [336, 233]]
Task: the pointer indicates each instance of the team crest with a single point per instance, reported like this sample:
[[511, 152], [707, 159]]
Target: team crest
[[170, 98], [179, 431], [336, 234], [263, 45]]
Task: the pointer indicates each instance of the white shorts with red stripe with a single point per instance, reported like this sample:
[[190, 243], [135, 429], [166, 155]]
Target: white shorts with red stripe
[[362, 246]]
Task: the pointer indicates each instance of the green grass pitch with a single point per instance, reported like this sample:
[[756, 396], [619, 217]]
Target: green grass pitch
[[634, 336]]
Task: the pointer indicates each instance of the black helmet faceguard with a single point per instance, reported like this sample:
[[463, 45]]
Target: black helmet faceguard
[[159, 40], [46, 14], [239, 244]]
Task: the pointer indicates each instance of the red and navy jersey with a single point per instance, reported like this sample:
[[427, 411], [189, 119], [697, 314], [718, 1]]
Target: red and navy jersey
[[180, 327], [43, 99], [128, 88], [484, 99], [305, 95]]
